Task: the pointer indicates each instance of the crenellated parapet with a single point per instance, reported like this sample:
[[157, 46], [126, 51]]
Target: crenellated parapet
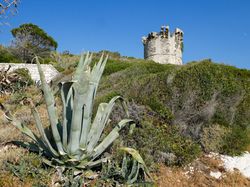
[[164, 47]]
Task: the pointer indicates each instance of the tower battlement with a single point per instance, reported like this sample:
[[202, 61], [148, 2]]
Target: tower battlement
[[164, 47]]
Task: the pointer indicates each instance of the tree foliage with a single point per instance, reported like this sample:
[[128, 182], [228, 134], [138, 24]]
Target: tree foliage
[[31, 40]]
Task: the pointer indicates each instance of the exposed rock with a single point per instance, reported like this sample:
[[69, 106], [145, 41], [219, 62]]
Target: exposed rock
[[215, 174]]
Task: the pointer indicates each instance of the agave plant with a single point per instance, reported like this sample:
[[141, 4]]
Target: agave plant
[[132, 164], [132, 169], [76, 139]]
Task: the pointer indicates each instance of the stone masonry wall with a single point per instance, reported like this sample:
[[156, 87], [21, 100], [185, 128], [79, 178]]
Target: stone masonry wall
[[49, 71]]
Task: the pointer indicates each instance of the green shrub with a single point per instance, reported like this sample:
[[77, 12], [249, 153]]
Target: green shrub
[[212, 137], [157, 106], [113, 67], [236, 141], [7, 57], [155, 142]]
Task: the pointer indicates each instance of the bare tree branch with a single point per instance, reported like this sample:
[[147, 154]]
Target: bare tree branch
[[7, 8], [7, 5]]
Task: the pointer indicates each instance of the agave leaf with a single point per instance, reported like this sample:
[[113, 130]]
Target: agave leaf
[[50, 103], [25, 130], [48, 162], [97, 128], [109, 139], [101, 119], [42, 132], [67, 98], [59, 161], [136, 156], [80, 88], [134, 172], [92, 164], [124, 166], [53, 165], [75, 130], [79, 67], [113, 135], [95, 76], [134, 153], [84, 62], [97, 72]]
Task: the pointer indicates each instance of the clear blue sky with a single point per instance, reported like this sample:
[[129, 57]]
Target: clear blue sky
[[216, 29]]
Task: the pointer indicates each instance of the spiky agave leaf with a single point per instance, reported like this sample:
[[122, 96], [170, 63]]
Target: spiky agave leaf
[[101, 119], [107, 141], [80, 87], [97, 128], [50, 103], [95, 77], [134, 172], [84, 62], [136, 156], [40, 129], [110, 138], [67, 100]]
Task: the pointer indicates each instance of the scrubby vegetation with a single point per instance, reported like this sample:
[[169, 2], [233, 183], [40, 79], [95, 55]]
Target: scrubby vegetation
[[194, 98], [7, 57]]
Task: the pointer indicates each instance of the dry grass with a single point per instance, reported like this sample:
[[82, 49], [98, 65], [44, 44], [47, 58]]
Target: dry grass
[[8, 180], [26, 175], [8, 132], [22, 112], [199, 176], [10, 153], [168, 177], [4, 98]]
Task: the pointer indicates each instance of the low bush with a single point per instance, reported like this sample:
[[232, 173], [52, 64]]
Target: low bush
[[7, 57], [113, 67], [213, 138], [163, 143]]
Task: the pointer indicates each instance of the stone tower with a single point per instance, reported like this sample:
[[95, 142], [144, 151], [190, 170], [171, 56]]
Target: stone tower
[[164, 47]]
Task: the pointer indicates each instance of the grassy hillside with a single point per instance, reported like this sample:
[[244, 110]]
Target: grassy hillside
[[180, 111], [207, 103]]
